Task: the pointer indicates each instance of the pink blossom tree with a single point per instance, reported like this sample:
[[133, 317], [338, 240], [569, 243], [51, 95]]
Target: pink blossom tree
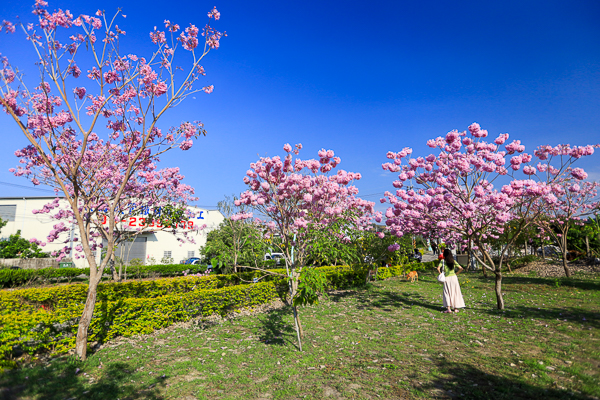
[[95, 136], [296, 197], [575, 199], [456, 198]]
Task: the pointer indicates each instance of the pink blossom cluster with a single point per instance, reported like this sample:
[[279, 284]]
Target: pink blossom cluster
[[296, 195], [456, 199]]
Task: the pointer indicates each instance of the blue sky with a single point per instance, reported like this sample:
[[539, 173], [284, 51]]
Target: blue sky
[[361, 78]]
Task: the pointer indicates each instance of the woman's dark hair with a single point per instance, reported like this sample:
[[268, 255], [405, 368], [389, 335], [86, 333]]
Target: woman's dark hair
[[449, 259]]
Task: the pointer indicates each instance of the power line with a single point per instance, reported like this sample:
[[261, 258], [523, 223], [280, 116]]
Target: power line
[[26, 187]]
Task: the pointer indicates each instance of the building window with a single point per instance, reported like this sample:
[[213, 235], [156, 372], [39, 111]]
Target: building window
[[167, 259], [191, 254], [8, 212]]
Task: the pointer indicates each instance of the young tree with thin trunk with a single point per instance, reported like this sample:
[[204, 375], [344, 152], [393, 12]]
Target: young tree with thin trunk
[[297, 197], [95, 136], [239, 227]]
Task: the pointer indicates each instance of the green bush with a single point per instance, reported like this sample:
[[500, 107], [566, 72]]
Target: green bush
[[21, 277], [40, 329], [45, 319]]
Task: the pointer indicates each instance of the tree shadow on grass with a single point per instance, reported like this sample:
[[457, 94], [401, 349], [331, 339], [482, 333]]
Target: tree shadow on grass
[[466, 381], [569, 315], [59, 380], [574, 282], [386, 300], [274, 330]]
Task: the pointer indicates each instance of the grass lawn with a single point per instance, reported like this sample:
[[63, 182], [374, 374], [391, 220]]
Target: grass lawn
[[387, 341]]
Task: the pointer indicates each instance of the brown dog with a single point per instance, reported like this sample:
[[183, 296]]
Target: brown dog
[[412, 275]]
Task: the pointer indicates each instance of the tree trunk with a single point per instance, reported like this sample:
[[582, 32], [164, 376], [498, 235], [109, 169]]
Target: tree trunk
[[587, 247], [86, 319], [469, 256], [116, 274], [298, 327], [498, 289], [293, 284], [564, 260], [113, 270], [564, 255]]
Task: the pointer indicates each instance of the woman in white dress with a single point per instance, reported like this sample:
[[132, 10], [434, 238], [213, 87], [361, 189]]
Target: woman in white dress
[[453, 298]]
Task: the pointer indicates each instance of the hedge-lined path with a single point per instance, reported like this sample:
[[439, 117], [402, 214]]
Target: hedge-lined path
[[389, 341]]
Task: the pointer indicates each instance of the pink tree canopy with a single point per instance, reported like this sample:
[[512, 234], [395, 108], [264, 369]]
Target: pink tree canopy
[[297, 195], [575, 199], [456, 198], [91, 120]]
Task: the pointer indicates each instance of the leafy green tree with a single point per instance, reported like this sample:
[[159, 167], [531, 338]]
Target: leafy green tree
[[359, 247], [586, 238], [220, 244], [379, 248], [326, 249], [17, 247], [240, 230]]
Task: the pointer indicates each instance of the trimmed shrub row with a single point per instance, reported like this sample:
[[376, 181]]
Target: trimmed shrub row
[[37, 320], [60, 296], [42, 330], [23, 277]]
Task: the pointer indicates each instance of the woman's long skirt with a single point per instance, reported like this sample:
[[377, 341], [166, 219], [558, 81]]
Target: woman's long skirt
[[452, 294]]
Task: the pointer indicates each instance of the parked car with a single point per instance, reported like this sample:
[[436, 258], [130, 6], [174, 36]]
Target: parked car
[[278, 257], [416, 256], [191, 260], [549, 251]]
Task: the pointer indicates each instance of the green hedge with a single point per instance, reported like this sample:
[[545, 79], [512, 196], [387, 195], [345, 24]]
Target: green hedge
[[21, 277], [60, 296], [45, 319], [32, 331], [10, 278]]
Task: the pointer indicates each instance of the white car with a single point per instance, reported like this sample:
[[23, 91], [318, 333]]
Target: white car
[[278, 257], [551, 251]]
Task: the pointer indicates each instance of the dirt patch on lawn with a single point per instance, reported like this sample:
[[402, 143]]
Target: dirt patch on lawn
[[555, 269]]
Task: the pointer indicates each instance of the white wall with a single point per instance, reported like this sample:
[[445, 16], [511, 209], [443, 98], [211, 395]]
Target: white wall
[[39, 226]]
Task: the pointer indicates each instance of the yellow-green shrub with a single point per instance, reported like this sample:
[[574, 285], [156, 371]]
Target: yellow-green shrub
[[34, 320], [31, 331], [59, 296]]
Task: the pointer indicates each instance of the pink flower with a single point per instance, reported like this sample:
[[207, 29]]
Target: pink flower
[[394, 247], [79, 92], [214, 14], [451, 136], [579, 173]]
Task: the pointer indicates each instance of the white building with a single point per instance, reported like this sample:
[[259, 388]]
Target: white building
[[150, 246]]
